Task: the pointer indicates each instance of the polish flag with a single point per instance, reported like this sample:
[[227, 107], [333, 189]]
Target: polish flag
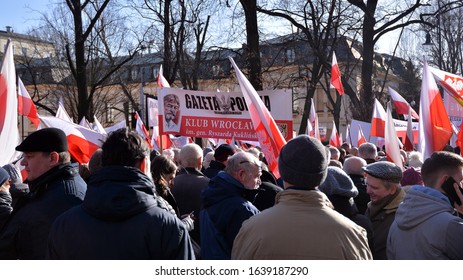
[[401, 105], [435, 128], [162, 82], [409, 139], [348, 140], [9, 133], [97, 126], [378, 121], [452, 84], [335, 140], [83, 122], [160, 142], [311, 120], [361, 137], [141, 129], [117, 126], [82, 142], [336, 76], [391, 140], [26, 106], [270, 138], [61, 112]]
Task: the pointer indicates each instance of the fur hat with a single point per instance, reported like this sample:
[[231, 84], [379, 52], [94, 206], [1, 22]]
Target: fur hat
[[223, 152], [45, 140], [337, 182], [303, 162]]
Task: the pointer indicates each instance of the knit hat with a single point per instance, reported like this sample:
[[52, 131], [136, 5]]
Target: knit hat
[[411, 176], [223, 152], [337, 182], [303, 162], [4, 176], [384, 170], [45, 140], [17, 187]]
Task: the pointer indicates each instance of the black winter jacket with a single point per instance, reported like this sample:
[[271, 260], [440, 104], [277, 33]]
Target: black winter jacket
[[120, 218]]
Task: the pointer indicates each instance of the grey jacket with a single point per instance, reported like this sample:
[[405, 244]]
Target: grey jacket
[[425, 228]]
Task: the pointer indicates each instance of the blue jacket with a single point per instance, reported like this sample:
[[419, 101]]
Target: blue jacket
[[25, 234], [225, 208], [120, 218]]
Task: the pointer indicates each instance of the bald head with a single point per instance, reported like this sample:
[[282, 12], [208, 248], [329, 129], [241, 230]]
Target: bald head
[[353, 165]]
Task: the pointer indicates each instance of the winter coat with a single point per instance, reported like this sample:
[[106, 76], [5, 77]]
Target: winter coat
[[25, 234], [5, 207], [301, 225], [214, 168], [362, 199], [426, 227], [226, 206], [382, 215], [120, 218], [188, 185]]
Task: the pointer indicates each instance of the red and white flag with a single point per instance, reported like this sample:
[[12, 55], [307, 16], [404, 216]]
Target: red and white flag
[[409, 139], [400, 104], [9, 133], [270, 138], [97, 126], [160, 142], [82, 141], [378, 120], [348, 140], [26, 106], [141, 130], [435, 128], [311, 121], [452, 84], [361, 137], [162, 82], [335, 140], [61, 112], [336, 76], [391, 140]]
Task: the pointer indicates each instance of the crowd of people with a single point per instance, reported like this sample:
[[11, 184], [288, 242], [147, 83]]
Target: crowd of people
[[132, 202]]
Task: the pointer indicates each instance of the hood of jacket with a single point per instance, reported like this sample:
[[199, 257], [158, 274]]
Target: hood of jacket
[[224, 186], [421, 203], [115, 193]]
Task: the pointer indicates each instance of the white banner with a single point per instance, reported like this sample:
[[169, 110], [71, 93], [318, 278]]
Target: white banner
[[219, 114]]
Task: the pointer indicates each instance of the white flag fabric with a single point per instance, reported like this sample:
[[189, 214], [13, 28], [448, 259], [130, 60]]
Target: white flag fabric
[[270, 138], [26, 106], [391, 140], [9, 133], [61, 112]]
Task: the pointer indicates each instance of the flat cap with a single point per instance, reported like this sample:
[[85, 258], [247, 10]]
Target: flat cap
[[384, 170], [45, 140]]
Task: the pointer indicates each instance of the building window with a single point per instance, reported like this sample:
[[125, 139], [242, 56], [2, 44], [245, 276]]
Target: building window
[[134, 74], [109, 113], [216, 70], [24, 51], [290, 55]]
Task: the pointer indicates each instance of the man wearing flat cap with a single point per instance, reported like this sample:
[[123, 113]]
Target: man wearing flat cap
[[302, 224], [54, 187], [383, 187]]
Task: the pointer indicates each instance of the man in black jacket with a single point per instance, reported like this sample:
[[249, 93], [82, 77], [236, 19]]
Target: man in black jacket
[[121, 217], [55, 186], [221, 155]]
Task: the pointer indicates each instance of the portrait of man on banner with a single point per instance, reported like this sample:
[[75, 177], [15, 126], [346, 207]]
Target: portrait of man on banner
[[171, 113]]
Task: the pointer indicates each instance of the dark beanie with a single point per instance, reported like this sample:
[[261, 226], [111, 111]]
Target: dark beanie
[[45, 140], [223, 152], [303, 162], [4, 176], [337, 182]]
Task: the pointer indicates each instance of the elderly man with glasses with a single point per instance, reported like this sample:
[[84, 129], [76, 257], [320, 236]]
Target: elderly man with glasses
[[227, 204]]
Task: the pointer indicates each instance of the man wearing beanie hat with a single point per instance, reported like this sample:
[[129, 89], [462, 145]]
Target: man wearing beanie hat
[[221, 155], [383, 187], [54, 187], [303, 223], [5, 197]]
